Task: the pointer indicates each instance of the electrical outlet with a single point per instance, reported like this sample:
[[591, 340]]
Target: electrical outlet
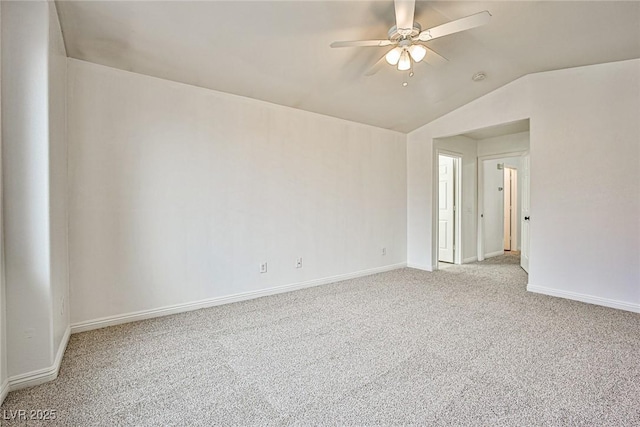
[[384, 251], [299, 262], [263, 267]]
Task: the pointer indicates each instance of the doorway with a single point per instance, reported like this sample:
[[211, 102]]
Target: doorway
[[510, 209], [478, 236], [449, 179], [494, 190]]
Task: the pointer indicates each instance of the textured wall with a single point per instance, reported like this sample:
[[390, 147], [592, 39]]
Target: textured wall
[[178, 193]]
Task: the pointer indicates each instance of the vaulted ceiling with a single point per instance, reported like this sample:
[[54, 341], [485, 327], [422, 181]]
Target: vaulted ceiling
[[278, 51]]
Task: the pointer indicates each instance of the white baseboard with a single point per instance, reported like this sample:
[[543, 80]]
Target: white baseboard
[[492, 254], [29, 379], [469, 260], [590, 299], [4, 390], [420, 267], [212, 302]]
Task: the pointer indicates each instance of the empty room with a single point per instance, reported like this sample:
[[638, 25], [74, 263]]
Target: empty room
[[320, 213]]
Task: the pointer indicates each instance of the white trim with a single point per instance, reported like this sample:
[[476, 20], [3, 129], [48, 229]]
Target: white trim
[[420, 267], [457, 229], [448, 153], [29, 379], [492, 254], [212, 302], [589, 299], [503, 155], [470, 260], [4, 390]]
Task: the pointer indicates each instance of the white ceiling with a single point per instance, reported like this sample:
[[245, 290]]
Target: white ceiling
[[278, 51]]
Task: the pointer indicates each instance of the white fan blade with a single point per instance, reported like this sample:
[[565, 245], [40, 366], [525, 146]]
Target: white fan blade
[[434, 58], [362, 43], [404, 14], [376, 67], [456, 26]]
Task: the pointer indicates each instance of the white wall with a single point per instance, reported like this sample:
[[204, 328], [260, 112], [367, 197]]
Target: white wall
[[178, 193], [58, 196], [585, 179], [34, 182], [467, 149], [25, 164]]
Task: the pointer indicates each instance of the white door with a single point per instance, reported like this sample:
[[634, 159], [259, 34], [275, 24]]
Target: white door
[[526, 199], [447, 209]]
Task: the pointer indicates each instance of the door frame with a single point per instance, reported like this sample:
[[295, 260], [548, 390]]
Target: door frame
[[457, 200], [480, 213], [526, 166], [514, 218]]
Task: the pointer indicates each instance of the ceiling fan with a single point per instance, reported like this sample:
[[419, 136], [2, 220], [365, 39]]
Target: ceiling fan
[[407, 37]]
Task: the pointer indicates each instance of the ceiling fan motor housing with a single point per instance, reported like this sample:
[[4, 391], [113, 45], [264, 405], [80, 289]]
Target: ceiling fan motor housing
[[396, 35]]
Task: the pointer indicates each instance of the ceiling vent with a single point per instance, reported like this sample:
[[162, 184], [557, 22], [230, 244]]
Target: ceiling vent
[[479, 76]]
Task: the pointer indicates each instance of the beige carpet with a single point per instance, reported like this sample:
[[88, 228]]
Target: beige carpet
[[463, 346]]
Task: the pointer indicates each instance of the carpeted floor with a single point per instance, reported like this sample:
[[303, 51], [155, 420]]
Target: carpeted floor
[[462, 346]]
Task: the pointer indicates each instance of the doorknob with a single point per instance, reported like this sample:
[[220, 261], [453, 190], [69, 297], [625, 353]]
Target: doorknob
[[526, 218]]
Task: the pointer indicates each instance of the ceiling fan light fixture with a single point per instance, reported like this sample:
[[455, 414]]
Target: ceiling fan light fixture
[[417, 52], [404, 63], [406, 35], [393, 56]]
